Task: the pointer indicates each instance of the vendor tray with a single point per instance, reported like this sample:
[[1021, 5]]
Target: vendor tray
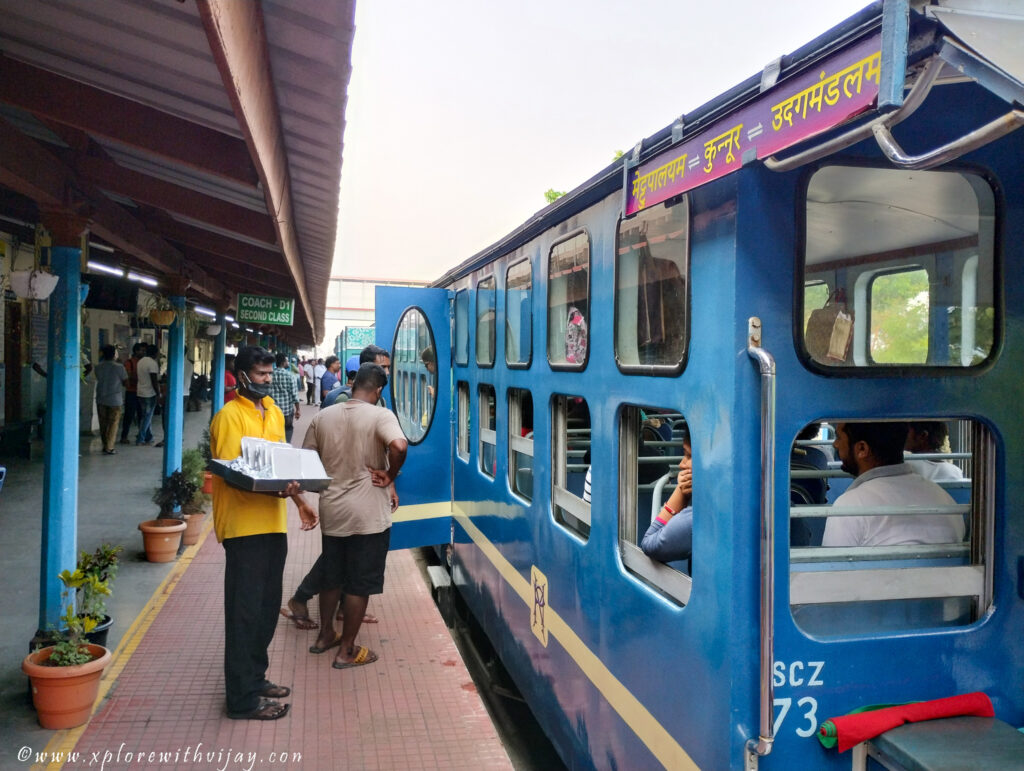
[[245, 482]]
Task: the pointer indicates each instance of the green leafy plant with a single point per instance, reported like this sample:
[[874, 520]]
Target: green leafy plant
[[70, 647], [92, 578], [193, 466], [204, 446], [176, 491]]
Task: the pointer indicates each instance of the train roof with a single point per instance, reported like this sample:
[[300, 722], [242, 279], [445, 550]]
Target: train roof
[[998, 67]]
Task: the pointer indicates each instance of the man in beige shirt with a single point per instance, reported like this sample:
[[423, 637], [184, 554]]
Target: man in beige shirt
[[362, 448]]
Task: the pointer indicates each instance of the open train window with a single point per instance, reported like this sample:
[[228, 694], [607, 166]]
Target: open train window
[[519, 314], [891, 525], [485, 322], [462, 388], [488, 434], [414, 375], [520, 442], [569, 302], [906, 259], [462, 327], [651, 308], [570, 459], [655, 492]]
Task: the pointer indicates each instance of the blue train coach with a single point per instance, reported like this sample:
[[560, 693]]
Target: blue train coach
[[706, 327]]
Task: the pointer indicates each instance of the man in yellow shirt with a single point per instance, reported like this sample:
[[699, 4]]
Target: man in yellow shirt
[[253, 530]]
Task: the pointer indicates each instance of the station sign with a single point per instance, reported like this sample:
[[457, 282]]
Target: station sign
[[260, 309], [836, 89]]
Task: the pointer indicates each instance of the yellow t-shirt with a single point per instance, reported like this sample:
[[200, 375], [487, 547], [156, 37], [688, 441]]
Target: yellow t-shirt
[[236, 512]]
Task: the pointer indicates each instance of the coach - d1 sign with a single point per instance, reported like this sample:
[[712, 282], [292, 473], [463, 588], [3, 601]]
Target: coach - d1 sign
[[260, 309]]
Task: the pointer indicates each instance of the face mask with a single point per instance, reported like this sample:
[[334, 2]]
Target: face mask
[[260, 390]]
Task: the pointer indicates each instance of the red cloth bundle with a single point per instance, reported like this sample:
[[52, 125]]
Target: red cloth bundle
[[853, 729]]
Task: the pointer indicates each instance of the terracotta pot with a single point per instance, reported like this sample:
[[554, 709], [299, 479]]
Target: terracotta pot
[[161, 538], [162, 318], [63, 696], [193, 527], [208, 483]]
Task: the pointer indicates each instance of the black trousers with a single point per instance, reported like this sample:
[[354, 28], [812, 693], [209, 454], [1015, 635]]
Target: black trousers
[[132, 412], [253, 573]]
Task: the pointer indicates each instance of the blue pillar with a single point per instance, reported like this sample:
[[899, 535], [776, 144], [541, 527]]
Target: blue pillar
[[217, 388], [175, 401], [60, 472]]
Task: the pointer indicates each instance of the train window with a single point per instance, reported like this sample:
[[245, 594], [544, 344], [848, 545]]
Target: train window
[[520, 442], [891, 525], [569, 302], [650, 288], [655, 489], [898, 268], [414, 375], [462, 327], [519, 314], [485, 322], [488, 433], [463, 391], [570, 460]]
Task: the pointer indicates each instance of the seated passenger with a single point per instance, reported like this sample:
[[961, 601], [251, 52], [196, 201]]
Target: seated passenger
[[929, 437], [670, 535], [873, 453]]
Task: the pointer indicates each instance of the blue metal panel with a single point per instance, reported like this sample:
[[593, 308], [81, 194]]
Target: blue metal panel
[[895, 29], [217, 386], [60, 472], [424, 485], [174, 402]]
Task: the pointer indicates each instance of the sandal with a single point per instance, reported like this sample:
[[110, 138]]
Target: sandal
[[362, 656], [273, 691], [267, 709]]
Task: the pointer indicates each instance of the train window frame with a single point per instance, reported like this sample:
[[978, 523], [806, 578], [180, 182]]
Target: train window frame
[[486, 435], [462, 438], [656, 369], [991, 216], [969, 582], [411, 401], [527, 338], [486, 287], [461, 353], [677, 585], [568, 510], [518, 443], [549, 328]]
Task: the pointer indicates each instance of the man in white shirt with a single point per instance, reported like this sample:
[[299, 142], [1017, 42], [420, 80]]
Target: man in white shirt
[[148, 389], [318, 373], [307, 372], [930, 437], [873, 453]]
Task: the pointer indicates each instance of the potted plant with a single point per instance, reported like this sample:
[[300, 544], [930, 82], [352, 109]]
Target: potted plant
[[193, 467], [204, 450], [161, 537], [65, 676], [91, 583], [160, 309]]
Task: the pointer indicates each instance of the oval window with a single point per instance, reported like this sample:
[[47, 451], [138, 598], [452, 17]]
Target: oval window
[[414, 375]]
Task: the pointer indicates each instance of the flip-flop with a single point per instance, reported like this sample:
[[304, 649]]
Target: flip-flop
[[369, 618], [267, 709], [274, 691], [334, 644], [301, 622], [363, 656]]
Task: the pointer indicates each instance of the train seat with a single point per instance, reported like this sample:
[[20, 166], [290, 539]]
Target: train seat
[[947, 744]]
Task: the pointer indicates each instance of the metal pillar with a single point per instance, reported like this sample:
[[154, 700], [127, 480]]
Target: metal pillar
[[217, 389], [174, 403], [60, 472]]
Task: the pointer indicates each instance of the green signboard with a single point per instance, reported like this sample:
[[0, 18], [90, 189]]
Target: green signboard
[[260, 309]]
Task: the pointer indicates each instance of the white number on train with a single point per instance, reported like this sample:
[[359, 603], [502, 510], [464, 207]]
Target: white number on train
[[795, 675]]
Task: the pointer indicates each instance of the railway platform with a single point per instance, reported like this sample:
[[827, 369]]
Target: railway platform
[[161, 703]]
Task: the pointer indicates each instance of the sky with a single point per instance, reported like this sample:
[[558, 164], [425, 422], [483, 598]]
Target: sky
[[462, 113]]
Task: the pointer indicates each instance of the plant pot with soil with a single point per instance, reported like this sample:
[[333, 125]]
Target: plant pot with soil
[[161, 537]]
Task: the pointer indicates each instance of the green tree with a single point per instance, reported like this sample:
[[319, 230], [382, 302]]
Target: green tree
[[553, 195]]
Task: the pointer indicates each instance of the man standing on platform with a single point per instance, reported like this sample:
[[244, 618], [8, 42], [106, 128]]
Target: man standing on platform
[[284, 390], [318, 372], [253, 530], [307, 373], [329, 379], [110, 379], [148, 371], [131, 398], [362, 448]]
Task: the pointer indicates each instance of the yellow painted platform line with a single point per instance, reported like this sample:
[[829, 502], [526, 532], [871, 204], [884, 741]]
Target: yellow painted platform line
[[63, 741]]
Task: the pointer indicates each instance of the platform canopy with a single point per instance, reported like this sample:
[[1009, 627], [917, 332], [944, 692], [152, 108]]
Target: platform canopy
[[200, 138]]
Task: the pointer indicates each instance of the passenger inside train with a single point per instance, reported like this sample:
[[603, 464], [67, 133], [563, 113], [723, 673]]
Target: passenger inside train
[[670, 535]]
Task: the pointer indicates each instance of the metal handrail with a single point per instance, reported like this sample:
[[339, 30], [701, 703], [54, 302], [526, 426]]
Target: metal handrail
[[990, 132], [766, 364]]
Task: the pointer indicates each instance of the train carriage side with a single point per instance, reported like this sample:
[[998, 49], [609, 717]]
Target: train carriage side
[[591, 356]]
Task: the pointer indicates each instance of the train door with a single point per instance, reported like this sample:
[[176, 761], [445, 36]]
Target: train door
[[413, 324]]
